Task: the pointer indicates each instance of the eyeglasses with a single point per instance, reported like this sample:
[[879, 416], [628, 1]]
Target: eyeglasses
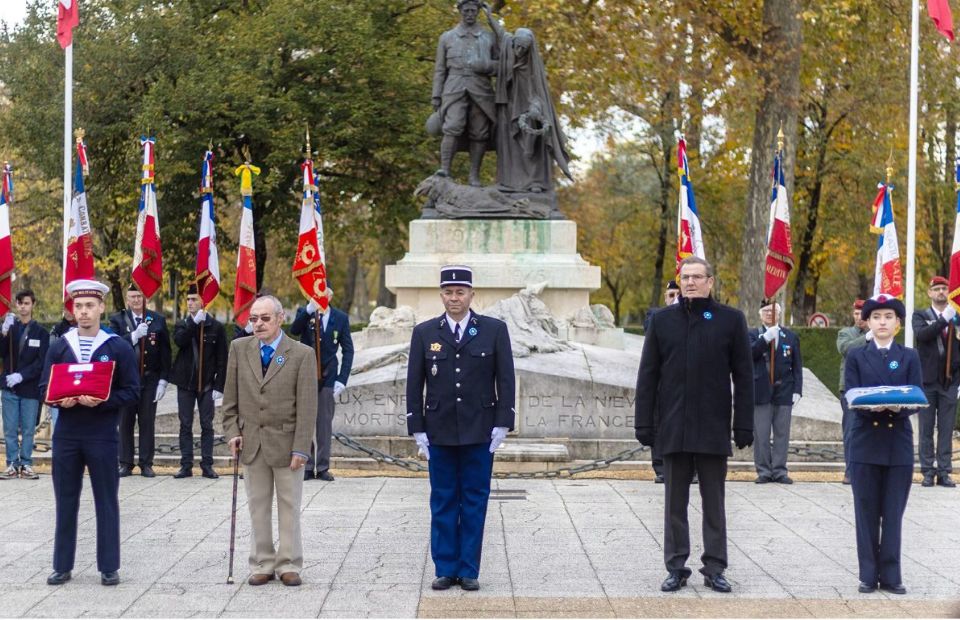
[[266, 318], [693, 277]]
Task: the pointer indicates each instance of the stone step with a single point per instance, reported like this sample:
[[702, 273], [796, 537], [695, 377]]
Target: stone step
[[517, 452]]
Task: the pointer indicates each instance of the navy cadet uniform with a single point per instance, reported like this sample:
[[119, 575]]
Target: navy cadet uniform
[[156, 370], [87, 437], [470, 391], [335, 334], [773, 403], [881, 453]]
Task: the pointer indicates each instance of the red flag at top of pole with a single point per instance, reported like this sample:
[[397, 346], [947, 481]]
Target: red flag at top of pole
[[779, 260], [208, 260], [78, 241], [245, 287], [68, 18], [6, 247], [942, 17], [147, 255], [308, 267]]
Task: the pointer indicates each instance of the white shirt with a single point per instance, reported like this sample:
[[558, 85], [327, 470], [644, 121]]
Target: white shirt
[[463, 324], [325, 320]]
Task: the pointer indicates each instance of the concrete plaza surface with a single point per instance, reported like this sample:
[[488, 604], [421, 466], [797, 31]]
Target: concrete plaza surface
[[583, 548]]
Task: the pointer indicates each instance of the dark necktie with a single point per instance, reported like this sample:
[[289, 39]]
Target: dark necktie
[[266, 354], [883, 355], [456, 333]]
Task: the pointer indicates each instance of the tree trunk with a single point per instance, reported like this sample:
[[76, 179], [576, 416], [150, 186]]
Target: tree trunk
[[803, 303], [384, 296], [350, 284], [665, 133], [617, 293], [779, 69]]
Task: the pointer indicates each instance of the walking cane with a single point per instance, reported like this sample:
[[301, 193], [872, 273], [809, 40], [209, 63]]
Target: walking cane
[[233, 513]]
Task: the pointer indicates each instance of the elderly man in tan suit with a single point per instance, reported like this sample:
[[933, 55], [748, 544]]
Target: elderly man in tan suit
[[269, 413]]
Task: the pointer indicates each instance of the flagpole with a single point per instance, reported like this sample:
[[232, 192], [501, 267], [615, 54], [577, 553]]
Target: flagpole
[[912, 169], [67, 157]]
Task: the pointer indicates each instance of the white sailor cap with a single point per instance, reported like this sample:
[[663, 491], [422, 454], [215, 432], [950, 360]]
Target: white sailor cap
[[87, 288], [456, 275]]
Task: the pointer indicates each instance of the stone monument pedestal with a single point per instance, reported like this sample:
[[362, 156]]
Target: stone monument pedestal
[[506, 256]]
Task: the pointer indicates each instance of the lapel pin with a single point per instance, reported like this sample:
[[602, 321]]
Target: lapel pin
[[104, 358], [472, 331], [280, 360], [708, 315], [433, 369], [894, 365]]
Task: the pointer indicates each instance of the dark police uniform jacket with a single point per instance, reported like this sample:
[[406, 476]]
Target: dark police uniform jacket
[[157, 355], [186, 333], [692, 351], [100, 422], [469, 386], [885, 437], [336, 334], [30, 346], [787, 368], [928, 328]]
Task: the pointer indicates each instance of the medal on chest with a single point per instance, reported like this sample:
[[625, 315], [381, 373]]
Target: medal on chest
[[433, 369]]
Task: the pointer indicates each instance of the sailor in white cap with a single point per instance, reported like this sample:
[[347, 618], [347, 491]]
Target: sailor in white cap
[[86, 436]]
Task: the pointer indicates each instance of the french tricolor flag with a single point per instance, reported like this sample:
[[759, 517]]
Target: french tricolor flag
[[208, 260], [245, 285], [689, 233], [888, 275], [6, 247], [147, 254], [954, 293]]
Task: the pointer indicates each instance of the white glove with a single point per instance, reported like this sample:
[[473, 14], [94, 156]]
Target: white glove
[[311, 307], [771, 334], [337, 388], [497, 436], [217, 395], [868, 335], [139, 332], [423, 444], [248, 328], [949, 313], [161, 390], [8, 323], [199, 317], [13, 379], [796, 398]]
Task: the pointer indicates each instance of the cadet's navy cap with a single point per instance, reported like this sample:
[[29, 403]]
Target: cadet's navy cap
[[672, 285], [456, 275], [87, 288], [192, 289], [883, 302]]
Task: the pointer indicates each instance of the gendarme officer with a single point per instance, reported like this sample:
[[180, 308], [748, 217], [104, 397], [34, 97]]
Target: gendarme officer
[[85, 436], [465, 361]]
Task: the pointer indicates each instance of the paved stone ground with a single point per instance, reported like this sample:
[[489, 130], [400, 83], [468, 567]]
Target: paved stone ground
[[585, 548]]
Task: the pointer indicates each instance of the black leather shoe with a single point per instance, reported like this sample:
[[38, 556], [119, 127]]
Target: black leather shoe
[[147, 471], [717, 583], [673, 582], [469, 583], [309, 475], [325, 475], [784, 480], [897, 589], [761, 480], [57, 579], [846, 479], [946, 481], [207, 472], [927, 481], [110, 579], [185, 472], [125, 470], [866, 588], [443, 583], [658, 479]]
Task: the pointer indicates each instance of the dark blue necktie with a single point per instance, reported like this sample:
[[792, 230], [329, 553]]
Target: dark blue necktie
[[456, 333], [266, 354]]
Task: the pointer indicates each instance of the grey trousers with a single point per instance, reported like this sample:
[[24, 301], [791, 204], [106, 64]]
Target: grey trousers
[[771, 459], [942, 414], [320, 448]]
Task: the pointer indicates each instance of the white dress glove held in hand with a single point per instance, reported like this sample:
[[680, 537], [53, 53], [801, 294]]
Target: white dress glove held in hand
[[139, 332], [796, 398], [13, 379], [771, 334], [217, 396], [949, 313], [199, 317], [8, 323], [868, 335], [497, 435], [311, 307], [423, 444], [249, 327], [337, 388], [161, 390]]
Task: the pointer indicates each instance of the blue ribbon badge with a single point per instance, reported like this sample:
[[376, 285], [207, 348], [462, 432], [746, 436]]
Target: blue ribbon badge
[[472, 331], [104, 358], [894, 365], [708, 315]]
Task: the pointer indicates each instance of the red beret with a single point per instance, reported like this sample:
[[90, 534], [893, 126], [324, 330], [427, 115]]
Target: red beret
[[938, 281], [858, 304]]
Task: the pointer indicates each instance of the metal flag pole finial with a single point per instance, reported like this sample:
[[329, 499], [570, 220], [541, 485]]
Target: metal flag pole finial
[[80, 134], [309, 153], [890, 168], [245, 151], [780, 137]]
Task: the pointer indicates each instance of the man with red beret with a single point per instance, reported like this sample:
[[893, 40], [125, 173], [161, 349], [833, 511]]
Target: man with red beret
[[856, 335], [935, 329]]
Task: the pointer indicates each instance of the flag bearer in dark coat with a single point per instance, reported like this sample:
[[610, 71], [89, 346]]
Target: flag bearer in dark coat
[[466, 363], [86, 435], [334, 334], [192, 388], [881, 447], [144, 329], [690, 355], [936, 333], [774, 401]]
